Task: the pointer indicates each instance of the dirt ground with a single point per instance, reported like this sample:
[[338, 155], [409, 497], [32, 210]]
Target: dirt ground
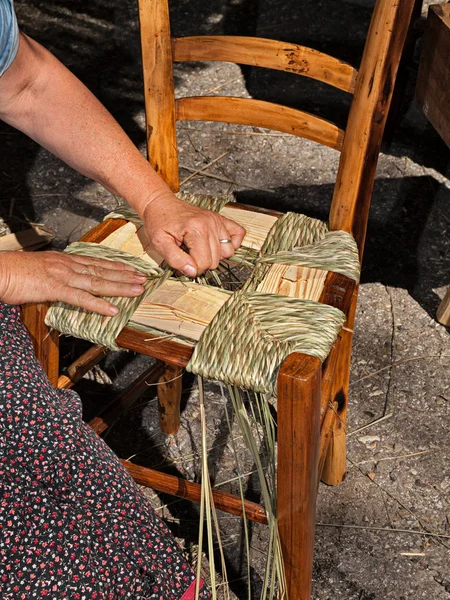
[[385, 532]]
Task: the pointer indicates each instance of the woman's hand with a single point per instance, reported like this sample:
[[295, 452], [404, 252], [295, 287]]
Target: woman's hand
[[78, 280], [172, 225]]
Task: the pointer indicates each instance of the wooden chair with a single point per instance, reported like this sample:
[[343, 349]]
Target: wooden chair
[[312, 398]]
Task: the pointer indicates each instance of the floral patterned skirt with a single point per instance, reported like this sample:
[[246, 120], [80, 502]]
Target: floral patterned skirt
[[73, 524]]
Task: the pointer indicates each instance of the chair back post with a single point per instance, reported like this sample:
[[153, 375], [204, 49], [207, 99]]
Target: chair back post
[[156, 47], [362, 140]]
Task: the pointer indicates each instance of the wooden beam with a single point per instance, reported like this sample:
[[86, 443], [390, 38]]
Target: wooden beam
[[159, 89], [81, 366], [376, 77], [175, 486], [271, 54], [29, 239]]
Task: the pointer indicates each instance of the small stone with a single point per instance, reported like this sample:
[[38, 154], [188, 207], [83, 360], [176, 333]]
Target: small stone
[[393, 476], [420, 483], [371, 475], [370, 441]]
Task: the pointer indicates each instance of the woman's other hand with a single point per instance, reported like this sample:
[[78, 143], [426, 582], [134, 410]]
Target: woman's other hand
[[79, 280]]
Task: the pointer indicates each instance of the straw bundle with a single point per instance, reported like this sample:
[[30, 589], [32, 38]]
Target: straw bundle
[[252, 334], [99, 329]]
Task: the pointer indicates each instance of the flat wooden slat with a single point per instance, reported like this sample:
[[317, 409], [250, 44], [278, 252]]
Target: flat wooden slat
[[166, 350], [258, 113], [271, 54], [29, 239], [351, 199], [159, 89]]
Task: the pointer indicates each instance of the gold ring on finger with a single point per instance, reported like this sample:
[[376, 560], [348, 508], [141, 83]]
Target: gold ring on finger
[[225, 241]]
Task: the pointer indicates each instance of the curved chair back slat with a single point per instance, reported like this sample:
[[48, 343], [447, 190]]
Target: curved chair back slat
[[270, 54], [247, 111]]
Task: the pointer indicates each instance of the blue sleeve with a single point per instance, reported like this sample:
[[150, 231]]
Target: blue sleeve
[[9, 34]]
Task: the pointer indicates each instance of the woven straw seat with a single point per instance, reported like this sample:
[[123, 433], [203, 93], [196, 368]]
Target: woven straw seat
[[288, 328], [259, 326]]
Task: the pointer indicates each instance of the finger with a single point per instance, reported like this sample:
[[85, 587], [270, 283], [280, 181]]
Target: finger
[[98, 286], [110, 274], [101, 262], [226, 244], [203, 248], [236, 232], [175, 256], [215, 248], [83, 299]]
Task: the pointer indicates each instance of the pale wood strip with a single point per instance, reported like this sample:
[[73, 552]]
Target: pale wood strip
[[256, 224], [181, 308], [117, 239], [30, 239], [294, 281], [159, 89], [133, 240], [271, 54], [259, 113]]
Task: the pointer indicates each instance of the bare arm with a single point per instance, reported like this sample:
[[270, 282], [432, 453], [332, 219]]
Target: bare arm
[[42, 98]]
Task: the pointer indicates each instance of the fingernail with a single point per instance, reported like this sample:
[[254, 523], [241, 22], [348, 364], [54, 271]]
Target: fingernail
[[140, 278], [113, 310], [138, 289], [189, 270]]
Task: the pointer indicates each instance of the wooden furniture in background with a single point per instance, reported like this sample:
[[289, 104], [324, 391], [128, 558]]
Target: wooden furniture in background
[[433, 82], [312, 399], [433, 91]]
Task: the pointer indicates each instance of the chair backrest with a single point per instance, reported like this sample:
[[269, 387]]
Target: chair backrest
[[371, 86]]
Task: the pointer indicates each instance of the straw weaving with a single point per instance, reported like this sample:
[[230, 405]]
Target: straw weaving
[[240, 338]]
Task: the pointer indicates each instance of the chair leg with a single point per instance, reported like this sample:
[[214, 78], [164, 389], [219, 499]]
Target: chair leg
[[335, 466], [169, 399], [45, 341], [298, 410]]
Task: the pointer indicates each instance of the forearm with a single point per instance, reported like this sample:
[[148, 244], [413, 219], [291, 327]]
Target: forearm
[[42, 98]]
